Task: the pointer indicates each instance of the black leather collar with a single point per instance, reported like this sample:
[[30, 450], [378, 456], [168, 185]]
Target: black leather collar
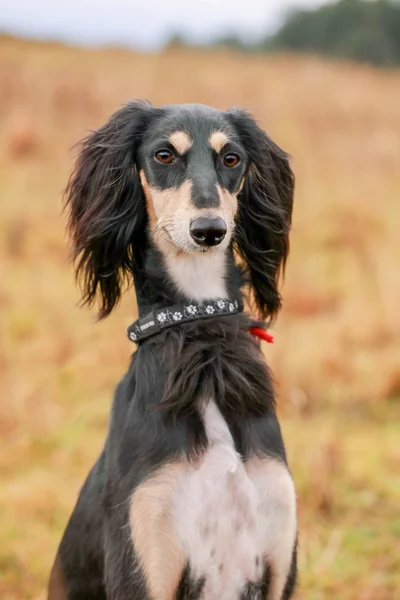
[[162, 318]]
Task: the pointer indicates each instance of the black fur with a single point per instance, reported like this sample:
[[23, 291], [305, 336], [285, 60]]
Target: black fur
[[155, 417], [258, 590], [265, 211], [292, 577], [189, 588], [106, 205]]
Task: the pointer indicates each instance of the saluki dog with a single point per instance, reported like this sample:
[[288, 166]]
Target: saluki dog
[[191, 497]]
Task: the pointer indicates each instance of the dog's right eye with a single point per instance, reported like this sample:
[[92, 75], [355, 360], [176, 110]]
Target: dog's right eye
[[164, 156]]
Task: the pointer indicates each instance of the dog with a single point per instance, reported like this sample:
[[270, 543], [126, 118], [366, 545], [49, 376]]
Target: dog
[[191, 497]]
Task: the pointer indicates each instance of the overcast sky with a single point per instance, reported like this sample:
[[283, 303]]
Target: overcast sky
[[141, 23]]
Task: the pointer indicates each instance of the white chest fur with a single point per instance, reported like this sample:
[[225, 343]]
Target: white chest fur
[[226, 518], [232, 517]]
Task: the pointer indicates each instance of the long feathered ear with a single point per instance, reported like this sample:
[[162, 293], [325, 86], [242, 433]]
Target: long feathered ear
[[264, 214], [105, 203]]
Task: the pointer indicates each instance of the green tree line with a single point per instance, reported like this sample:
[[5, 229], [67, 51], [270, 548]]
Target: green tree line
[[362, 30], [354, 29]]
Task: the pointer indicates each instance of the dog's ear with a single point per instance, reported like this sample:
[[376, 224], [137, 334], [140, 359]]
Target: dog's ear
[[105, 205], [264, 213]]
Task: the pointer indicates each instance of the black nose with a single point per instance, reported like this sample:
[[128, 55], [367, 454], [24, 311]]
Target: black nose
[[208, 232]]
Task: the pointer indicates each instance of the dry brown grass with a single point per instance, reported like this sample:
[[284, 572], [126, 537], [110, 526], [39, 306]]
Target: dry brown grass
[[337, 351]]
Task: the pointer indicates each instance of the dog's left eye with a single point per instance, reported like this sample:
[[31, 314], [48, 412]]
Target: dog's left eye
[[231, 160], [164, 156]]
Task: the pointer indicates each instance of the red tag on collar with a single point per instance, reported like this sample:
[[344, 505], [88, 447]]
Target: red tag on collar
[[262, 334]]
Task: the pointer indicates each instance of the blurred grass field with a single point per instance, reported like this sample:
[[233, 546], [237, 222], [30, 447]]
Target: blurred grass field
[[337, 352]]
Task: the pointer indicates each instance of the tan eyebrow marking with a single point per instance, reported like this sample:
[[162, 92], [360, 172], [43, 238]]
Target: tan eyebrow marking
[[180, 141], [217, 140]]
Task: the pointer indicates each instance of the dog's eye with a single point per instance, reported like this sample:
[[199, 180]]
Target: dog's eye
[[231, 160], [164, 156]]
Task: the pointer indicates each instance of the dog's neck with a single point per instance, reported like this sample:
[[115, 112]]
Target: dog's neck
[[166, 280], [199, 276]]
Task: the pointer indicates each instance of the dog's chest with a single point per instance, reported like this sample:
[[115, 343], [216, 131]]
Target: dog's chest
[[232, 523], [225, 515]]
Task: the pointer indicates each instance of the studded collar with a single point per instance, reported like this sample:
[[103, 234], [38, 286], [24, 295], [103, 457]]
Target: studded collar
[[163, 318]]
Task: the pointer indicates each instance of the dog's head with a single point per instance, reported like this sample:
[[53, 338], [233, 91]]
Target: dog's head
[[192, 165], [193, 180]]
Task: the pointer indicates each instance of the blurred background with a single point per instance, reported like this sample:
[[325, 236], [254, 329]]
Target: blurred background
[[323, 79]]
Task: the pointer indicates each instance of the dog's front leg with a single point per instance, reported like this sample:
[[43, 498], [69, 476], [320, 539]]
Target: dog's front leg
[[143, 559], [122, 574]]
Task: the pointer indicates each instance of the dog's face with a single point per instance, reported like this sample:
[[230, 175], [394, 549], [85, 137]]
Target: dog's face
[[192, 167], [198, 181]]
